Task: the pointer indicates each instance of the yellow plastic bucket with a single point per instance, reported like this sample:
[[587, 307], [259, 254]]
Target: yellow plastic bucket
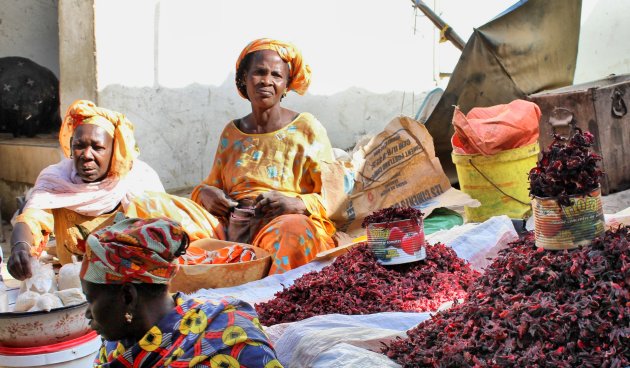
[[499, 182]]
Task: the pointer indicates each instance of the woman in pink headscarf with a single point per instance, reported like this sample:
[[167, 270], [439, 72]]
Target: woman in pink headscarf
[[100, 177]]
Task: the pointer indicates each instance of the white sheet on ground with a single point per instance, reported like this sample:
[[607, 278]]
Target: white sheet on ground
[[262, 290], [301, 344], [348, 341], [478, 243], [349, 356], [472, 242]]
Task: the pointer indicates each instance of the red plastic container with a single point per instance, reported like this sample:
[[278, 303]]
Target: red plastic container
[[78, 352]]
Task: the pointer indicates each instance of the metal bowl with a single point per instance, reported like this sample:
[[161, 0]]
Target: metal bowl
[[30, 329]]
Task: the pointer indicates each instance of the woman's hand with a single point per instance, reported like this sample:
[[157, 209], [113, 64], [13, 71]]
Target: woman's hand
[[216, 201], [273, 204], [19, 264]]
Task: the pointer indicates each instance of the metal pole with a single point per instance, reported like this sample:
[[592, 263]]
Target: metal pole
[[444, 28]]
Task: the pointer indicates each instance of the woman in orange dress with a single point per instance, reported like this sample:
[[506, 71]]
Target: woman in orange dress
[[100, 177], [267, 168]]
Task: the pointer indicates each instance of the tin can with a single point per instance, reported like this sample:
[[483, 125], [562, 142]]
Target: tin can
[[568, 227], [397, 242]]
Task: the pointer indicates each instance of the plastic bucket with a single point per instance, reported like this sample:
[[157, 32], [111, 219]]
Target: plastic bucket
[[75, 353], [397, 242], [560, 227], [499, 182]]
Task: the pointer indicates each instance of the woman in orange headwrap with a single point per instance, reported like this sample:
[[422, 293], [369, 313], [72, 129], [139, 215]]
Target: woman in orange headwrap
[[100, 176], [266, 177]]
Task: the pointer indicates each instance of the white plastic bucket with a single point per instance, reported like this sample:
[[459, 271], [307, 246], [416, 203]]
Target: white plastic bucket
[[76, 353]]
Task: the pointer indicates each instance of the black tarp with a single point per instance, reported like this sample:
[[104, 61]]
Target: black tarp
[[529, 48]]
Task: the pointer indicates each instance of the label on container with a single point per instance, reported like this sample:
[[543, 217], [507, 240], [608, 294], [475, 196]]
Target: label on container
[[397, 242], [567, 227]]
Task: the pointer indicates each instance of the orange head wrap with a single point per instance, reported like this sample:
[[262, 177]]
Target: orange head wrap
[[116, 125], [299, 71]]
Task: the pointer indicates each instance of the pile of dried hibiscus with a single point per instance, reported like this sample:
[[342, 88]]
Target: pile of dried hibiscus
[[392, 214], [535, 308], [566, 169], [356, 284]]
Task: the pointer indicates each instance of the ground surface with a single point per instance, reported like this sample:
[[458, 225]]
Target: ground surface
[[612, 203]]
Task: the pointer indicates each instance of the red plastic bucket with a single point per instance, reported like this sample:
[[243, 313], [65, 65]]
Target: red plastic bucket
[[78, 352]]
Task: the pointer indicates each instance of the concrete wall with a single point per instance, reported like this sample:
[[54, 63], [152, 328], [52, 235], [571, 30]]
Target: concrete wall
[[174, 74], [77, 52], [28, 28], [169, 64], [604, 48], [177, 128]]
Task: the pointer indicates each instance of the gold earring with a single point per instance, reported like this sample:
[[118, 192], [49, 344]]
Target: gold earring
[[128, 317]]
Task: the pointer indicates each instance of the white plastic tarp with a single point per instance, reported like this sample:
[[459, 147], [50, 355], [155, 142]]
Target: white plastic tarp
[[472, 242], [355, 341], [317, 341]]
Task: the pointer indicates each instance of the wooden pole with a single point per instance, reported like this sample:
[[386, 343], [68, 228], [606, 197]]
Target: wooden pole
[[445, 30]]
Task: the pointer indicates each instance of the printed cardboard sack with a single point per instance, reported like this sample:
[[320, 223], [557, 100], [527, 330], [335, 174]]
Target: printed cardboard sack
[[397, 167]]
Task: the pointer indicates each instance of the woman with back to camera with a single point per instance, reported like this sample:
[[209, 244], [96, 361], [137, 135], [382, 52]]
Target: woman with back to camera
[[267, 168], [125, 276]]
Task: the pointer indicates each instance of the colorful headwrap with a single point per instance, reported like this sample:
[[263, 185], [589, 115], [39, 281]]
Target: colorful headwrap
[[116, 125], [299, 71], [134, 251]]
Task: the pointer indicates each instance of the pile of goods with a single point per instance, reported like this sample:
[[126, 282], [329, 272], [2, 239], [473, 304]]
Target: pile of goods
[[566, 203], [357, 284], [45, 291], [566, 169], [392, 214], [535, 308], [231, 254]]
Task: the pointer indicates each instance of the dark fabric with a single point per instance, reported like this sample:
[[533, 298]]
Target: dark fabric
[[530, 48]]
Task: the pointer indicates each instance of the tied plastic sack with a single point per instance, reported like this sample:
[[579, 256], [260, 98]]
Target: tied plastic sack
[[69, 275], [46, 302], [4, 298], [43, 279], [490, 130], [25, 301], [72, 296]]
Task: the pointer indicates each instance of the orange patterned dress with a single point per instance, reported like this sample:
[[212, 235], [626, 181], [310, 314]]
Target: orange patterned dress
[[288, 161]]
